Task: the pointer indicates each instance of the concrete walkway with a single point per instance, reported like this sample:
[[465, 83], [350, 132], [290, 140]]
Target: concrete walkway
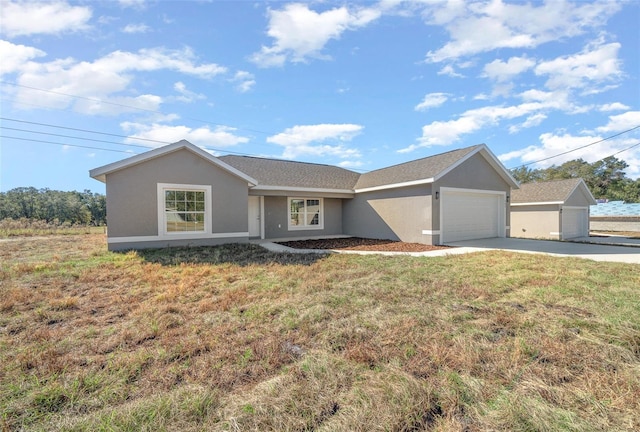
[[601, 249], [588, 249]]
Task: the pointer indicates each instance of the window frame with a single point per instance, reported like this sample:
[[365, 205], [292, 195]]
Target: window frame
[[320, 224], [162, 213]]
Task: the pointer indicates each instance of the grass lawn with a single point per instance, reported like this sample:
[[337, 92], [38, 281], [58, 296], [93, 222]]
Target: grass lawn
[[237, 338]]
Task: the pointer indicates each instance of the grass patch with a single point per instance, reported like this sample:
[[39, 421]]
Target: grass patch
[[237, 338]]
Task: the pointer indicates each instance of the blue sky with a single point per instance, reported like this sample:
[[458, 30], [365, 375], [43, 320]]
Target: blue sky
[[362, 85]]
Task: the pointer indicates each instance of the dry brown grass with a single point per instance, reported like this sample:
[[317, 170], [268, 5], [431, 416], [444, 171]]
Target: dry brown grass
[[237, 338]]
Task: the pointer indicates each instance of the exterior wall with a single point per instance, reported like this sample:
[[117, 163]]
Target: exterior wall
[[393, 214], [577, 199], [132, 202], [276, 218], [474, 173], [615, 223], [537, 222]]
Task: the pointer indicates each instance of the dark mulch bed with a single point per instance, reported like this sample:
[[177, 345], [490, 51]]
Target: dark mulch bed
[[356, 243]]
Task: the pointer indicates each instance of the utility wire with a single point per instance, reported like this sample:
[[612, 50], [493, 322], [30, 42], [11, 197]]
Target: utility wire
[[72, 137], [579, 148], [68, 145], [109, 134], [127, 106]]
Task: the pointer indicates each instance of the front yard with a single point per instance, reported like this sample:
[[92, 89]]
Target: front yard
[[238, 338]]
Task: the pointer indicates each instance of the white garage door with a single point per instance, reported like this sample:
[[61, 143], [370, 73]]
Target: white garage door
[[467, 215], [575, 222]]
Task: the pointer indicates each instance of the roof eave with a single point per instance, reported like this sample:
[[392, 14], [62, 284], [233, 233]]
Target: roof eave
[[489, 157], [100, 173]]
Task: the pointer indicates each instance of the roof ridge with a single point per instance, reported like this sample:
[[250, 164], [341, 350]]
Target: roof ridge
[[287, 160], [423, 158]]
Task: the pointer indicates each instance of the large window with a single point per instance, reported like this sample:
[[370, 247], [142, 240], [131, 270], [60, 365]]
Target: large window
[[184, 208], [305, 213]]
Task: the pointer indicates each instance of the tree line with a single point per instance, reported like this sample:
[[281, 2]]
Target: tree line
[[605, 178], [74, 208]]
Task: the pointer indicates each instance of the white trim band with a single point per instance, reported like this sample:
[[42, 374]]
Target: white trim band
[[431, 232], [199, 236], [395, 185]]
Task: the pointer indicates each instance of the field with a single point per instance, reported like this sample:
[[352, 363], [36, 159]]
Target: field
[[236, 338]]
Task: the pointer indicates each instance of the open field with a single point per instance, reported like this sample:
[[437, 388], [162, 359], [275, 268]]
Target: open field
[[237, 338]]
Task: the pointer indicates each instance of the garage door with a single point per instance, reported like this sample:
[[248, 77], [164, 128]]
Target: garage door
[[575, 222], [467, 215]]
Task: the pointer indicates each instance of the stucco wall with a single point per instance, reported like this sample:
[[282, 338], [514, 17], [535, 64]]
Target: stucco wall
[[132, 194], [474, 173], [535, 221], [276, 218], [394, 214]]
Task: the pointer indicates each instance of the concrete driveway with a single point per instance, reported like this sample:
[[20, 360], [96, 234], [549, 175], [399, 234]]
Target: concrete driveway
[[592, 251]]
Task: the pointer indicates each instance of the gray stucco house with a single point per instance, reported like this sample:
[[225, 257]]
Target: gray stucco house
[[556, 210], [180, 194]]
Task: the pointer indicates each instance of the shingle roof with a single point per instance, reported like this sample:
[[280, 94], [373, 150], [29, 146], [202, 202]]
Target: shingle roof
[[289, 174], [550, 191], [425, 168]]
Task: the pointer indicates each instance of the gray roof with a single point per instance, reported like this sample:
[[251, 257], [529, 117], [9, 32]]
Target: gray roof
[[420, 169], [290, 174], [550, 191]]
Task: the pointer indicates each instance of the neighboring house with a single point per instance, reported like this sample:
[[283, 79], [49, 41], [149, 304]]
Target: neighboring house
[[556, 210], [182, 195], [615, 216]]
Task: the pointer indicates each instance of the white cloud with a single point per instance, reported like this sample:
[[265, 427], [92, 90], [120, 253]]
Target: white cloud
[[621, 122], [103, 79], [244, 81], [15, 56], [450, 71], [350, 164], [615, 106], [595, 64], [136, 4], [51, 17], [301, 33], [531, 121], [221, 136], [185, 94], [480, 26], [503, 71], [554, 145], [449, 132], [300, 140], [432, 100], [136, 28]]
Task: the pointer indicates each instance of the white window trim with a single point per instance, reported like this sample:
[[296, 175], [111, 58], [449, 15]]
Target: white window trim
[[320, 226], [162, 224]]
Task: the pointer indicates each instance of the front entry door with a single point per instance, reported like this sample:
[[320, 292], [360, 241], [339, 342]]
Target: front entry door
[[254, 216]]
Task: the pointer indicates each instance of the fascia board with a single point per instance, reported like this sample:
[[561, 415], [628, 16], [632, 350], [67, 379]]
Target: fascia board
[[101, 172], [537, 203], [395, 185]]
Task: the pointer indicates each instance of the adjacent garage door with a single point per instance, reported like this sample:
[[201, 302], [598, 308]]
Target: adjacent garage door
[[575, 222], [469, 214]]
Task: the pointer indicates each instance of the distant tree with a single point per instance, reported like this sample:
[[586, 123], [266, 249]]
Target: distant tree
[[81, 208], [605, 178], [525, 174]]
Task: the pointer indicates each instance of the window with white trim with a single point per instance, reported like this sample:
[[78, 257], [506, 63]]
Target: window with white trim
[[306, 213], [184, 209]]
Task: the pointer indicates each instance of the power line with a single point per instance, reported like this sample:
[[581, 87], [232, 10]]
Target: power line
[[62, 144], [110, 134], [579, 148], [72, 137], [128, 106]]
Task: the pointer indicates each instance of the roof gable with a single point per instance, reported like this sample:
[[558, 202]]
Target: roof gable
[[550, 192], [294, 175], [100, 173], [428, 170]]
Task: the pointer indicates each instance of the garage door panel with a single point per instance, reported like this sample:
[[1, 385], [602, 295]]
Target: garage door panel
[[470, 215], [574, 223]]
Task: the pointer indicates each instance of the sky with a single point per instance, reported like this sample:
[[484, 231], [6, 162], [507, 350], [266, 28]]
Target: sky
[[361, 85]]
